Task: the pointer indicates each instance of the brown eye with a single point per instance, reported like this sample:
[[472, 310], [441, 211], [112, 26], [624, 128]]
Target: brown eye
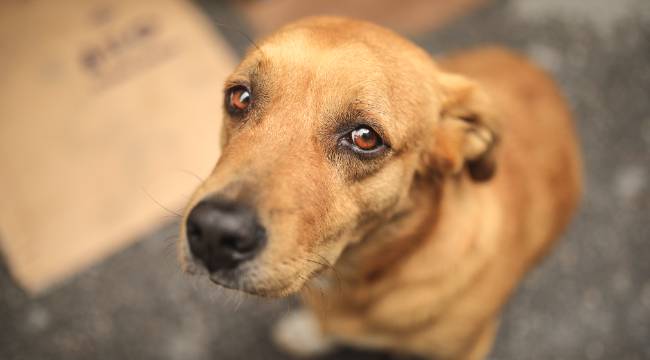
[[365, 138], [239, 99]]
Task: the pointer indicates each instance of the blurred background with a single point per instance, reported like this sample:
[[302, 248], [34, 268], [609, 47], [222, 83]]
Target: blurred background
[[109, 111]]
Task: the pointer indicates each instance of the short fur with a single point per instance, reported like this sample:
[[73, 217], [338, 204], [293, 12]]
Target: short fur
[[418, 250]]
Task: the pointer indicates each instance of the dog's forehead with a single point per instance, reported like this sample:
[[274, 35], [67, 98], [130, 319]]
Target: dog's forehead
[[298, 55], [329, 75]]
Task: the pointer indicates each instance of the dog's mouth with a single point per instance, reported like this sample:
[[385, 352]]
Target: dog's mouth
[[253, 289], [266, 283]]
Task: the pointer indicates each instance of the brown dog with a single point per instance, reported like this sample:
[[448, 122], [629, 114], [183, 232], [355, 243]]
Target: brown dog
[[407, 198]]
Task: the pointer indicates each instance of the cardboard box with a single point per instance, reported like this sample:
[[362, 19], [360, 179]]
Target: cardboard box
[[106, 107]]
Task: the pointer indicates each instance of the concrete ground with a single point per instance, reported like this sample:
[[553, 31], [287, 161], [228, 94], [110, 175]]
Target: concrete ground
[[589, 300]]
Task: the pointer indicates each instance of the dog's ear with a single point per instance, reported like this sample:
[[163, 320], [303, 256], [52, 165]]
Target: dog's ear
[[467, 133]]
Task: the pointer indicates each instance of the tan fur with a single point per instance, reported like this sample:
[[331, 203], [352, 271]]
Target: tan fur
[[428, 242]]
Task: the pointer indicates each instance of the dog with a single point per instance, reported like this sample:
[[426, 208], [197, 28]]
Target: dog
[[404, 198]]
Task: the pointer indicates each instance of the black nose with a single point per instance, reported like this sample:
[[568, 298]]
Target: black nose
[[223, 233]]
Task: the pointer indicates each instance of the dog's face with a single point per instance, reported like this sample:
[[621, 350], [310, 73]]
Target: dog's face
[[327, 125]]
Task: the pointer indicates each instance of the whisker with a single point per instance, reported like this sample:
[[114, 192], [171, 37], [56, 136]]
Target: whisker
[[188, 172], [239, 300], [288, 309], [159, 204], [308, 285], [316, 262], [289, 210], [240, 32], [334, 270]]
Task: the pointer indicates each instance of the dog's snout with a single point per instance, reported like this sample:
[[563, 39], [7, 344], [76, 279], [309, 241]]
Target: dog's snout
[[223, 233]]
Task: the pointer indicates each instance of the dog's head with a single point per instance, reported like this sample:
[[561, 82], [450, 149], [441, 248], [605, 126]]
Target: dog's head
[[327, 126]]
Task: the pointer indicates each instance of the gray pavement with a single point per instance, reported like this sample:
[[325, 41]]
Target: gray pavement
[[589, 300]]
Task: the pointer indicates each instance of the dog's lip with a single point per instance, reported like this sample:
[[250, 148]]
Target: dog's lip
[[215, 281], [260, 291], [219, 280]]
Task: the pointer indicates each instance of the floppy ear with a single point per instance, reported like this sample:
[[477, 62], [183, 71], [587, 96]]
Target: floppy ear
[[467, 133]]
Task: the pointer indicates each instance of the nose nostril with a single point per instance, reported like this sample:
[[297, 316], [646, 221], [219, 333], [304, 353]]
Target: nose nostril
[[230, 242], [238, 244]]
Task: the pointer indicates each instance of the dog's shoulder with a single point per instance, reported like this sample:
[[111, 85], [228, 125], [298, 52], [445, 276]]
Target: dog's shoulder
[[539, 154]]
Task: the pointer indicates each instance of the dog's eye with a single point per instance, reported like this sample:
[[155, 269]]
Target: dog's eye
[[364, 141], [238, 99], [365, 138]]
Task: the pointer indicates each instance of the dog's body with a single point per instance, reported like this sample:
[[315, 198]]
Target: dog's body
[[438, 293], [427, 242]]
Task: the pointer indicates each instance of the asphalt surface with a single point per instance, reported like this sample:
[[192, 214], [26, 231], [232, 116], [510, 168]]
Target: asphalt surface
[[589, 300]]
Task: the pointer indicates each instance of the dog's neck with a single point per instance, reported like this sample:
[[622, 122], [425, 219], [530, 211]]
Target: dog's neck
[[442, 223]]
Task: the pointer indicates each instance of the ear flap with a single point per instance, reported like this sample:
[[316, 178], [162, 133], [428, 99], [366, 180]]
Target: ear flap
[[467, 132]]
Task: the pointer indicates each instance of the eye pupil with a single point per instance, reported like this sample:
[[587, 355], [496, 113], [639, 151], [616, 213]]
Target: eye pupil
[[365, 138], [240, 98]]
